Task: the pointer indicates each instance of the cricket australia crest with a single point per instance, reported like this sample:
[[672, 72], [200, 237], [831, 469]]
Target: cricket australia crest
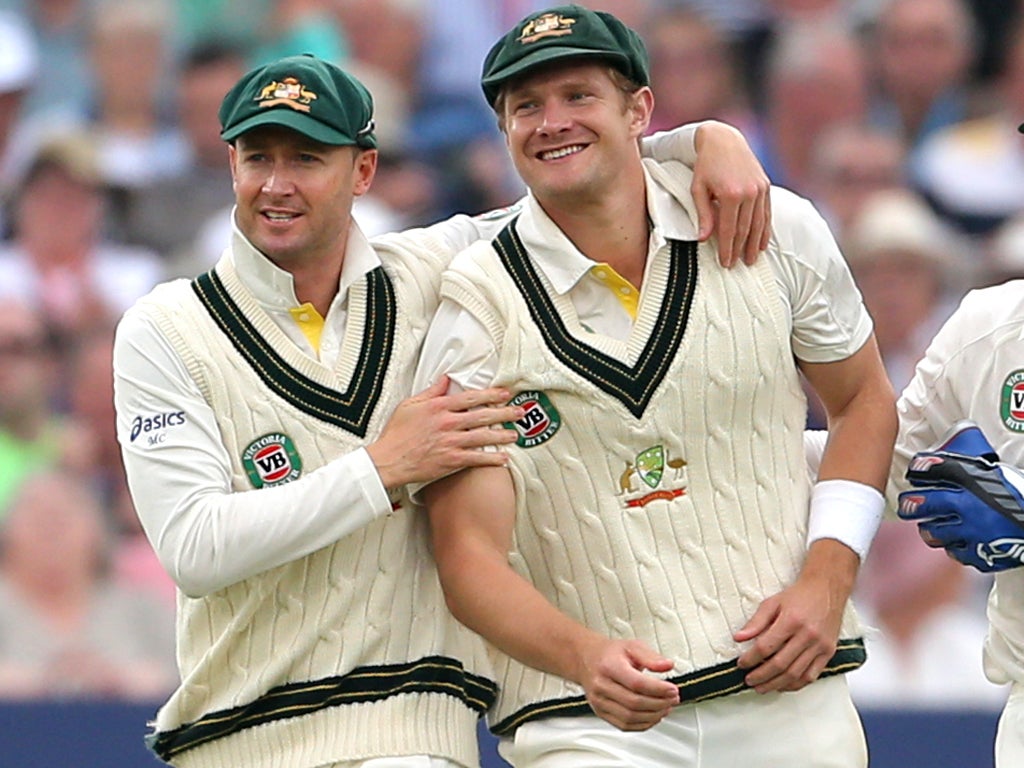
[[652, 466], [289, 92], [546, 25]]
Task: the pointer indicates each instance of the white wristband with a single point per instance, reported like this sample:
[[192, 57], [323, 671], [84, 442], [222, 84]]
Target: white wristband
[[847, 511]]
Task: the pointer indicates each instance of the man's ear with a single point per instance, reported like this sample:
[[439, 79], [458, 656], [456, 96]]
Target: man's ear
[[642, 108], [365, 170], [232, 162]]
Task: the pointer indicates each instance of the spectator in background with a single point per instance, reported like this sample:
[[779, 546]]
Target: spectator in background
[[929, 617], [65, 629], [849, 163], [451, 127], [903, 259], [88, 396], [778, 19], [202, 186], [131, 52], [693, 70], [133, 562], [32, 434], [293, 27], [63, 87], [972, 171], [241, 21], [816, 79], [19, 60], [58, 259], [922, 51], [1005, 252], [387, 38]]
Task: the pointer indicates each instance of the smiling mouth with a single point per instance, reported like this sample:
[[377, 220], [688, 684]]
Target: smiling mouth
[[556, 154], [279, 217]]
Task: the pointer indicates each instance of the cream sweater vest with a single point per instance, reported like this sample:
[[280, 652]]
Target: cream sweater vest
[[662, 498], [349, 653]]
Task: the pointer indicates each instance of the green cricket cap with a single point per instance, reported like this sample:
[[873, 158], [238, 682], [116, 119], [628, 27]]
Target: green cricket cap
[[309, 95], [563, 32]]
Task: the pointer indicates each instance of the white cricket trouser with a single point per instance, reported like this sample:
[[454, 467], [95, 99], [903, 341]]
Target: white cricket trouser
[[815, 727], [409, 761], [1010, 732]]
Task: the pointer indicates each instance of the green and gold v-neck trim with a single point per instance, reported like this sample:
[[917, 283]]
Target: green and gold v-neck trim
[[632, 385], [351, 408]]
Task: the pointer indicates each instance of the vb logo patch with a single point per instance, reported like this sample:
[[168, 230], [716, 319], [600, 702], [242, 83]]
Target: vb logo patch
[[540, 422], [271, 460], [1011, 401]]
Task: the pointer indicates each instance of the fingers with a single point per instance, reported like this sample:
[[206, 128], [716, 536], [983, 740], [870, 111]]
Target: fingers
[[729, 223], [437, 389], [636, 705], [784, 655], [621, 691], [759, 622], [760, 228], [705, 211], [465, 400], [743, 224], [626, 718], [642, 657]]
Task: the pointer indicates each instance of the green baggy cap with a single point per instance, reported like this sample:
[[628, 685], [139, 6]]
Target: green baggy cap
[[309, 95], [567, 31]]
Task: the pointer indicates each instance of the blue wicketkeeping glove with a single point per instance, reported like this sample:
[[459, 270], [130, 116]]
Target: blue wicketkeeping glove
[[968, 502]]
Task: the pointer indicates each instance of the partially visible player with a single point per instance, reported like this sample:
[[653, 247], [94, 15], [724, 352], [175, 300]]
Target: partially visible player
[[647, 561], [965, 489]]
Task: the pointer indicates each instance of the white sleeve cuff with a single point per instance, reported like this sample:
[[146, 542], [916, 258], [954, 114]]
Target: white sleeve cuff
[[847, 511], [678, 144]]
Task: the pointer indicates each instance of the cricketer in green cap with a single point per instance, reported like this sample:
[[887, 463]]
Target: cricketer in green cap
[[563, 32], [309, 95]]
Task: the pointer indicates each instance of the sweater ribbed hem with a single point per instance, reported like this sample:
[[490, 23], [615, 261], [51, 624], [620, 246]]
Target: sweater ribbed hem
[[418, 724]]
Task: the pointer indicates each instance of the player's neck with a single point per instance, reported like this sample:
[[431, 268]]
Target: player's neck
[[316, 282], [614, 230]]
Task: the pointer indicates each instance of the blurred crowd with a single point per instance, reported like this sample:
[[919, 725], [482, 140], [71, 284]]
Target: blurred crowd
[[897, 118]]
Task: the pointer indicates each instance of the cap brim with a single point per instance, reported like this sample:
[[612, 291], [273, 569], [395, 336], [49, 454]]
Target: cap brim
[[296, 121], [545, 56]]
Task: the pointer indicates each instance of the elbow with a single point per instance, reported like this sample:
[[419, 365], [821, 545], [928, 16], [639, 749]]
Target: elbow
[[193, 579], [190, 551]]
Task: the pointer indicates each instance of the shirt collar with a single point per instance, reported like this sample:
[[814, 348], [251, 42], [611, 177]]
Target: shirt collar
[[275, 287], [564, 264]]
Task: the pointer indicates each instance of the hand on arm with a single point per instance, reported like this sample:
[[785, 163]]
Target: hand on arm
[[433, 434], [472, 516], [731, 191], [730, 188], [796, 632]]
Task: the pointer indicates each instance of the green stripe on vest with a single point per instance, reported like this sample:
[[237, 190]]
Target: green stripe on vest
[[703, 684], [633, 386], [351, 410], [433, 674]]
